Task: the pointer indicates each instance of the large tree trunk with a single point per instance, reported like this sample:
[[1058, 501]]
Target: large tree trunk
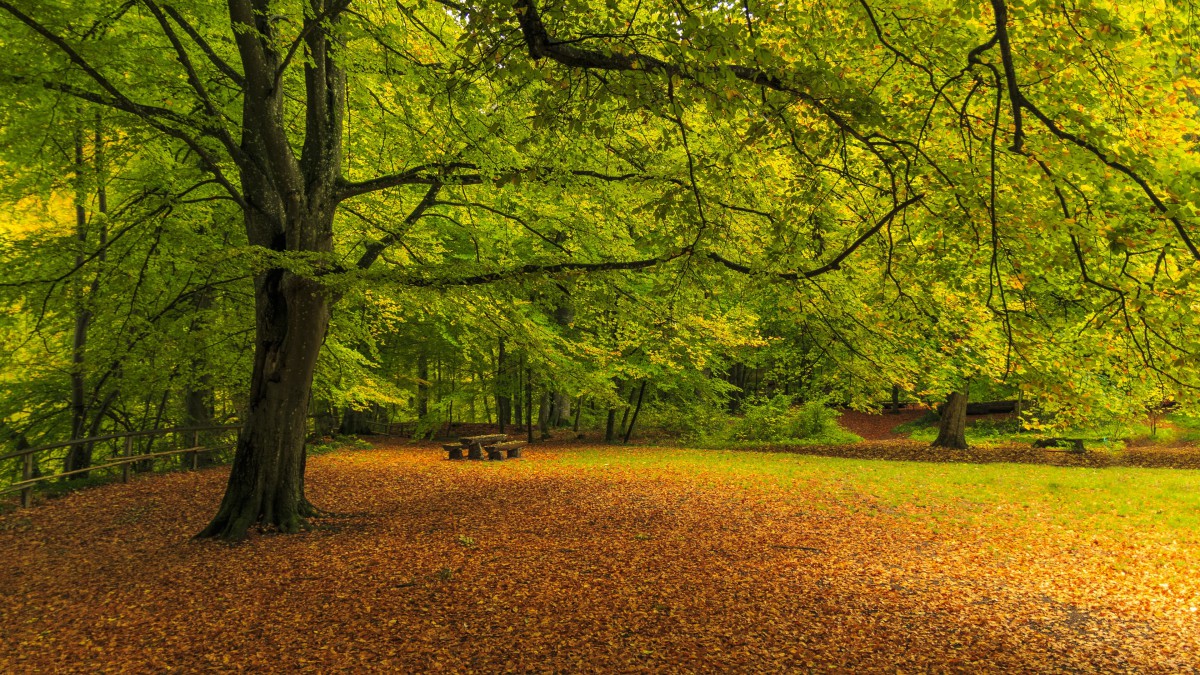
[[266, 483], [952, 429]]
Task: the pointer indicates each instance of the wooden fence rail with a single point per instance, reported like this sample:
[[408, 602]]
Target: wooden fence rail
[[123, 460], [391, 428]]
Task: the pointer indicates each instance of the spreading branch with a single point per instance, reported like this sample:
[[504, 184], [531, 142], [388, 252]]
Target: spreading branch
[[832, 265]]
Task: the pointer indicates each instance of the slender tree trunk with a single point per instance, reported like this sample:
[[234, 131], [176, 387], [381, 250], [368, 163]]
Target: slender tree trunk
[[422, 385], [80, 456], [638, 409], [578, 412], [198, 397], [628, 407], [544, 415], [198, 408], [952, 429], [529, 404], [519, 399], [503, 400], [895, 399]]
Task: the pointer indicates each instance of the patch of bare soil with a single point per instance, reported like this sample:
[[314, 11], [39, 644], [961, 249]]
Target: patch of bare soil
[[879, 427]]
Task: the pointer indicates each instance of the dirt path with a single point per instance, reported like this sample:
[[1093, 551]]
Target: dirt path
[[538, 566], [878, 427]]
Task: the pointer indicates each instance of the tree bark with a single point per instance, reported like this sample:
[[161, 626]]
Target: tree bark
[[503, 400], [544, 415], [638, 409], [266, 483], [79, 456], [290, 202], [422, 385], [562, 409], [952, 428], [529, 404]]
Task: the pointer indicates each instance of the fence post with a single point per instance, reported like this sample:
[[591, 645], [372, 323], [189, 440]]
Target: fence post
[[128, 459], [195, 453], [27, 474]]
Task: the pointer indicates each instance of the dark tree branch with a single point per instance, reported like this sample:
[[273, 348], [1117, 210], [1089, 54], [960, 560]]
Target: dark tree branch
[[375, 249], [428, 174], [219, 63], [1019, 102], [216, 128], [832, 265], [551, 268]]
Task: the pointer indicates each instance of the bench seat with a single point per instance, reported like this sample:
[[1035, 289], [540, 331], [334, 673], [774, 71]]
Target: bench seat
[[497, 451]]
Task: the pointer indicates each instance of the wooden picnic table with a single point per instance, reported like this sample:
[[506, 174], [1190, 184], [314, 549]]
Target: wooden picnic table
[[494, 444], [474, 444]]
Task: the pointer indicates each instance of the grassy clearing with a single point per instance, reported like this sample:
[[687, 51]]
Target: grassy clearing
[[1172, 429], [1124, 502]]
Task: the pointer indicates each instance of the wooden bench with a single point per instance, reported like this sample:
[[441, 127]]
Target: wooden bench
[[455, 450], [1074, 445], [513, 448], [475, 444]]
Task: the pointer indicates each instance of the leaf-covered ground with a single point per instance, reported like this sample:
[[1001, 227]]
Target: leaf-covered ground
[[582, 558]]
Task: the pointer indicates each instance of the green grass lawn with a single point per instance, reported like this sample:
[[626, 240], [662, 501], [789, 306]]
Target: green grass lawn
[[1122, 502], [1174, 428]]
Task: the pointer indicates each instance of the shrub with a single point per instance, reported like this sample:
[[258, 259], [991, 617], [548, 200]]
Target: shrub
[[775, 419]]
